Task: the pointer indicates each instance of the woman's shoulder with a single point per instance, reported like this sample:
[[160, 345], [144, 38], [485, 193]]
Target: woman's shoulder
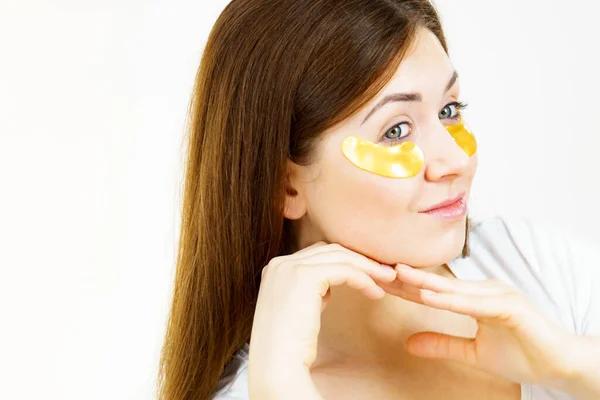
[[531, 243], [507, 247], [233, 384], [514, 231], [513, 249]]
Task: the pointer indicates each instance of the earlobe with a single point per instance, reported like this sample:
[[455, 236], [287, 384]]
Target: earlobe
[[295, 206]]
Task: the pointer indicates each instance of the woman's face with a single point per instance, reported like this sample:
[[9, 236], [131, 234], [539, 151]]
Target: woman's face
[[378, 216]]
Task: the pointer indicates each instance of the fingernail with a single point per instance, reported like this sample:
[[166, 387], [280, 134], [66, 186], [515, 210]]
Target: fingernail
[[402, 266]]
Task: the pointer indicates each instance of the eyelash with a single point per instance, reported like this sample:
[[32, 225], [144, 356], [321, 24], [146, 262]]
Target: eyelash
[[460, 106]]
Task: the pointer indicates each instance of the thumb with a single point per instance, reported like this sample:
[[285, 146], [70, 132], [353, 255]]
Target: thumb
[[438, 345]]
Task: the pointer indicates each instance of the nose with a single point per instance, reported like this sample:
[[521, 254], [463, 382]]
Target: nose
[[444, 159]]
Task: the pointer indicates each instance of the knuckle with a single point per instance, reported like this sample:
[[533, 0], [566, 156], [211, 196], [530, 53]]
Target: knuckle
[[349, 266], [296, 270], [264, 271], [345, 256], [341, 254], [336, 247], [276, 260]]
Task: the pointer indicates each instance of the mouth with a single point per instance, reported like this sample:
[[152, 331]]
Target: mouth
[[449, 209]]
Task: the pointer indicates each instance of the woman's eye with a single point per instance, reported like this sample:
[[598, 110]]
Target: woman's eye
[[398, 132], [448, 112], [452, 110]]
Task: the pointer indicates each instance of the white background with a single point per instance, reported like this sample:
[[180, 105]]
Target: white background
[[93, 98]]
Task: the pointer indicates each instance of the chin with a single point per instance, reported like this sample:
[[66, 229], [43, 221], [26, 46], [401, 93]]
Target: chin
[[437, 250], [439, 258]]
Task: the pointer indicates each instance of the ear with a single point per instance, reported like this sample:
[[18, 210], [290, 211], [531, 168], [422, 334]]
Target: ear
[[295, 203]]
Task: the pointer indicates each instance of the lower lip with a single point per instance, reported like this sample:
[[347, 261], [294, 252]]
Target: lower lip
[[453, 211]]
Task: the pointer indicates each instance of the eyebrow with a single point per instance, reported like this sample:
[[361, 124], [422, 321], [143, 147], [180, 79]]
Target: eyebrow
[[407, 97]]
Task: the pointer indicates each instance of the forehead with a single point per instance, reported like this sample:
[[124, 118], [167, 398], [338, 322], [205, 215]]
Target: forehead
[[426, 67]]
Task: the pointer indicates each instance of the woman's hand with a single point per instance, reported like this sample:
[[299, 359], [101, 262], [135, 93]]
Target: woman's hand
[[514, 340], [294, 291]]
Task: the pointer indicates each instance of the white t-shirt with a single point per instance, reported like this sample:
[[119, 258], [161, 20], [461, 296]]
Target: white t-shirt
[[558, 272]]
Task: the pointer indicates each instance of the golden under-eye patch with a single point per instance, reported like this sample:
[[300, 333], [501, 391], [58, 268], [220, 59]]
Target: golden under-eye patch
[[401, 161], [463, 136], [404, 160]]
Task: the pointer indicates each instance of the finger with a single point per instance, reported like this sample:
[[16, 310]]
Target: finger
[[399, 289], [437, 283], [379, 272], [336, 274], [336, 253], [315, 248], [312, 249], [501, 306], [441, 346]]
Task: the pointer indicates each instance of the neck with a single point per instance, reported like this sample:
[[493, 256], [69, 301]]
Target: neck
[[355, 328]]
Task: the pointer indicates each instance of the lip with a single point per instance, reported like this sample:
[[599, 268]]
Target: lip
[[445, 203]]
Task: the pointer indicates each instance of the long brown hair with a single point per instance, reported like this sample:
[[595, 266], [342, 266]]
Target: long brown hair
[[274, 75]]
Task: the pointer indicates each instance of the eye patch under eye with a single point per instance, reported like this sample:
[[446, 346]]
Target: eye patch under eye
[[463, 136], [403, 160]]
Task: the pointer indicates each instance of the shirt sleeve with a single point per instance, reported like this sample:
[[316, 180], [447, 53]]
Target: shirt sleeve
[[583, 261], [233, 384]]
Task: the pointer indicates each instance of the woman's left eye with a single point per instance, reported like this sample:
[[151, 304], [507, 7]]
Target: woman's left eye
[[452, 110]]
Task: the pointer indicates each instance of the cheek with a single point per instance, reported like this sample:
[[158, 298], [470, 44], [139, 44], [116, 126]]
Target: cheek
[[473, 166], [361, 210], [364, 194], [378, 216]]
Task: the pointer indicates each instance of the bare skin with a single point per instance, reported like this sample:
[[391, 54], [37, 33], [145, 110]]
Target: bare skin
[[361, 351], [393, 373]]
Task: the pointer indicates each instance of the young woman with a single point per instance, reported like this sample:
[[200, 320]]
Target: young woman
[[328, 173]]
